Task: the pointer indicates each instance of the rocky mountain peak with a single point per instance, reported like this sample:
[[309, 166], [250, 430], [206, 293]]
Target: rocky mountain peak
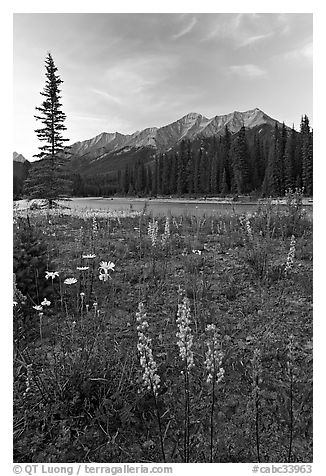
[[18, 158]]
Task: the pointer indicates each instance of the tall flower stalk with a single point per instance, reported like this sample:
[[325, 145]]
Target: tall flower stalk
[[290, 366], [215, 372], [248, 228], [166, 235], [152, 231], [255, 385], [185, 342], [290, 256], [151, 379]]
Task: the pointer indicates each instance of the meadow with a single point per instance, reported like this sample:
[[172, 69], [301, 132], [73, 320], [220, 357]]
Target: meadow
[[170, 339]]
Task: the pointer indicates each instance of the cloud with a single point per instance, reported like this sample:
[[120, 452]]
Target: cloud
[[84, 117], [226, 26], [305, 51], [246, 70], [135, 75], [107, 96], [186, 29], [246, 29], [253, 39], [284, 20]]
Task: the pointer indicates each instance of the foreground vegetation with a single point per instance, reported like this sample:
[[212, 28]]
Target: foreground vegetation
[[178, 339]]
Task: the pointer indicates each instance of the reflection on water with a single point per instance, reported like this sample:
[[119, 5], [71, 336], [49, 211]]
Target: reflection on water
[[176, 208]]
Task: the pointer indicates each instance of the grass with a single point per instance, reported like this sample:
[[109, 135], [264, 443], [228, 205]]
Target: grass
[[78, 383]]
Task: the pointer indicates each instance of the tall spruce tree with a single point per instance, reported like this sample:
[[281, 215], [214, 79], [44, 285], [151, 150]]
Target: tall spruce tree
[[272, 180], [240, 162], [47, 180], [289, 160], [226, 182], [306, 155], [181, 165]]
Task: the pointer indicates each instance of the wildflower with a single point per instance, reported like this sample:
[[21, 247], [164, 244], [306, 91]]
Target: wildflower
[[51, 274], [214, 356], [248, 228], [94, 225], [290, 257], [196, 252], [166, 234], [151, 379], [107, 265], [82, 268], [184, 334], [89, 256], [45, 302], [70, 281], [82, 295], [38, 308], [28, 379], [152, 231]]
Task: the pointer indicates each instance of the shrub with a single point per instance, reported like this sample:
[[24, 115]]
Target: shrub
[[30, 261]]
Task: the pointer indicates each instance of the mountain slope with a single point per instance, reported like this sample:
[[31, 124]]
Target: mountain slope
[[19, 158], [191, 126], [20, 172]]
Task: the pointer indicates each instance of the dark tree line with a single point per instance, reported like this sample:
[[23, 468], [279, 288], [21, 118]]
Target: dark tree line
[[95, 185], [253, 161], [242, 163]]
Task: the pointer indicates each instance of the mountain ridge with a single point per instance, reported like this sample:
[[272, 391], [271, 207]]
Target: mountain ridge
[[162, 139]]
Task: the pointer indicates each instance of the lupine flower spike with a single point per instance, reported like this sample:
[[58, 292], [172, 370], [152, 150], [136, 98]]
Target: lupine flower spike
[[214, 356], [152, 231], [248, 228], [185, 341], [151, 379], [215, 372], [166, 234], [290, 257], [184, 333]]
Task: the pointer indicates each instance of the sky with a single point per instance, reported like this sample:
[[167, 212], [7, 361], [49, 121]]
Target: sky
[[125, 72]]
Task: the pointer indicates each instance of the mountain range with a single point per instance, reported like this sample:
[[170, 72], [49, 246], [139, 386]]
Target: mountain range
[[162, 139], [109, 152], [112, 151]]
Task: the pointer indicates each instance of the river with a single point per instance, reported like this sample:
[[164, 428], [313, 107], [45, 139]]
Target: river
[[177, 207]]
